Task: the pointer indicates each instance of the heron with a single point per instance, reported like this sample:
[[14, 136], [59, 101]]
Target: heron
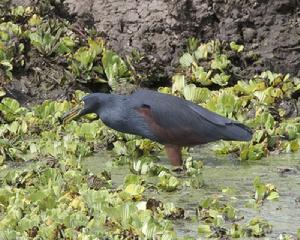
[[164, 118]]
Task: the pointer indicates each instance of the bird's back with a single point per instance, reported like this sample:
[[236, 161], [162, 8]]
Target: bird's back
[[182, 122]]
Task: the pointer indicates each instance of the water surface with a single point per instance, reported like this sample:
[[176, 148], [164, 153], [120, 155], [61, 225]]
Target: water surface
[[224, 171]]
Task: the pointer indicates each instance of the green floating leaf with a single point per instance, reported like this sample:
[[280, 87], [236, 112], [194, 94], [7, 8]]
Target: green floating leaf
[[220, 62], [250, 87], [168, 182], [202, 76], [291, 146], [264, 191], [133, 191], [84, 59], [274, 78], [273, 196], [204, 230], [253, 152], [133, 179], [8, 30], [45, 41], [257, 227], [140, 167], [195, 94], [2, 92], [11, 109], [66, 45], [178, 83], [114, 67], [204, 50], [221, 79], [186, 60], [96, 45], [236, 47], [35, 20], [192, 44]]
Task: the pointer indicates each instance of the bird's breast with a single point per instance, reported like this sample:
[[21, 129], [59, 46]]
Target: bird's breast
[[128, 121]]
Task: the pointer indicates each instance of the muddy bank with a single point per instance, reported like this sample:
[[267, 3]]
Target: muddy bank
[[159, 28], [270, 31]]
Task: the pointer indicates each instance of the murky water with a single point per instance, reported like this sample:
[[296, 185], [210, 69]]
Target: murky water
[[222, 172]]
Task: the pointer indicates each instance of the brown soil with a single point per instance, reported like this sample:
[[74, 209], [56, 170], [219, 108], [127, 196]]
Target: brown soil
[[270, 28]]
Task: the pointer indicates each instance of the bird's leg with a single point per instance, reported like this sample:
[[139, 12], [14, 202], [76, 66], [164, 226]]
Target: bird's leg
[[174, 154]]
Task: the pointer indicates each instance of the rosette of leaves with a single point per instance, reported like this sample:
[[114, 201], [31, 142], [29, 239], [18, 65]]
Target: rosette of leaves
[[50, 37], [264, 191], [205, 64], [11, 109], [11, 48], [96, 63], [85, 62], [269, 88], [189, 91], [115, 68], [259, 99], [168, 182]]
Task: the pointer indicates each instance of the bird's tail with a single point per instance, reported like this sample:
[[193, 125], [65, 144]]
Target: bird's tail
[[237, 132]]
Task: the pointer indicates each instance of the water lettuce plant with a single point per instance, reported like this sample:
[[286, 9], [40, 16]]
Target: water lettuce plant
[[264, 102], [57, 196], [262, 192], [24, 32], [214, 216], [11, 48], [54, 196]]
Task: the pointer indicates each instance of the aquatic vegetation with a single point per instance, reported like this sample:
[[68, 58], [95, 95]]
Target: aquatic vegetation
[[168, 182], [54, 196], [214, 212], [191, 64], [52, 199], [236, 47], [11, 48], [257, 227], [57, 196], [114, 67], [215, 215], [285, 236], [83, 60], [47, 38], [24, 32], [263, 102], [264, 191]]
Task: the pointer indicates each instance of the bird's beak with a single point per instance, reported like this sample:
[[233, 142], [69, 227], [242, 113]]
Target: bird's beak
[[72, 114]]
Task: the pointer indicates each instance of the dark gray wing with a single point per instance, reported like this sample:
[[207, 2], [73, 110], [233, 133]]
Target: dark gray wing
[[188, 123]]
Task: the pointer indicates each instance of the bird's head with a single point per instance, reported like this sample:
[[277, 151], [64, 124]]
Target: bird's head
[[89, 104]]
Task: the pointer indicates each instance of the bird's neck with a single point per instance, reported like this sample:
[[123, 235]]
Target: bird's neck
[[110, 105]]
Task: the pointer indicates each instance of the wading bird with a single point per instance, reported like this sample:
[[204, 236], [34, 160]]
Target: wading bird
[[169, 120]]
